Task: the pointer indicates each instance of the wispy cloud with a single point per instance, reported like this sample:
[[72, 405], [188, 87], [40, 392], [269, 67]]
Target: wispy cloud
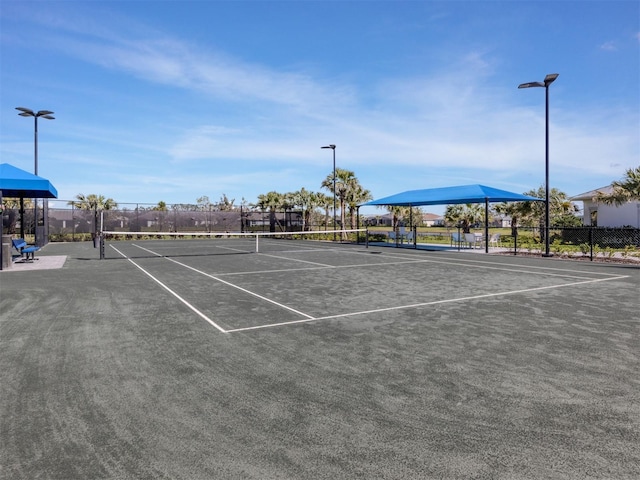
[[455, 122]]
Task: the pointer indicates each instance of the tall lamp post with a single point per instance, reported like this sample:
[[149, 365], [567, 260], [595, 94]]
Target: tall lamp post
[[548, 80], [333, 147], [26, 112]]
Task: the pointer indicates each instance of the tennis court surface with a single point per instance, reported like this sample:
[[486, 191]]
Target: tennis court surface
[[309, 360]]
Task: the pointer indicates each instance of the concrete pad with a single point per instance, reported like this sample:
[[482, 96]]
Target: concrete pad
[[40, 263]]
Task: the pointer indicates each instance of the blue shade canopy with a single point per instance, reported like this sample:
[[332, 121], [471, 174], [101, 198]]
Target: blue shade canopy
[[452, 195], [16, 183]]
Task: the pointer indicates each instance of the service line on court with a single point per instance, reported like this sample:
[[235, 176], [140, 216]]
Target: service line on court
[[309, 318], [187, 304], [213, 277], [418, 305], [508, 266]]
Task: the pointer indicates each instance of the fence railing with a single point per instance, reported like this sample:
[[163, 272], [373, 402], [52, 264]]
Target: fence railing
[[574, 242], [67, 223]]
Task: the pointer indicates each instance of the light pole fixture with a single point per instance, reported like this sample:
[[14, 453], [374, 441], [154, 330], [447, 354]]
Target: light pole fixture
[[26, 112], [333, 147], [548, 80]]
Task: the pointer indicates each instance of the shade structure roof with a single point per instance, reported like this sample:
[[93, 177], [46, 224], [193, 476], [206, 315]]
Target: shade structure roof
[[452, 195], [17, 183]]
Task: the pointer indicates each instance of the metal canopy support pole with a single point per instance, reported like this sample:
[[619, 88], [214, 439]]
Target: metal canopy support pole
[[35, 171], [21, 217], [1, 230], [486, 224]]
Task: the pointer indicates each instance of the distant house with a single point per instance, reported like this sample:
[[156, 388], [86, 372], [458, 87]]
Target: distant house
[[602, 215], [501, 222], [386, 220], [432, 220], [287, 219]]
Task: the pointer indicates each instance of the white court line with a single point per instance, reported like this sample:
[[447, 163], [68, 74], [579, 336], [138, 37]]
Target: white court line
[[191, 307], [409, 259], [468, 262], [296, 260], [213, 277], [417, 305], [506, 268], [310, 318]]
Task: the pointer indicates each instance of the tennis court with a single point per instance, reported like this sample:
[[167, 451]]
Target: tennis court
[[308, 359]]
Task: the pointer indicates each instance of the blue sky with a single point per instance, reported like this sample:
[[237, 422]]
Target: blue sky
[[170, 101]]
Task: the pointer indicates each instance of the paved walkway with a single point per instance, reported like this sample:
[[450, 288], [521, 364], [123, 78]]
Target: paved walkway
[[48, 262]]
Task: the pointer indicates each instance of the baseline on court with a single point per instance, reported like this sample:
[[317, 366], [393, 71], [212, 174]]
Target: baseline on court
[[318, 283]]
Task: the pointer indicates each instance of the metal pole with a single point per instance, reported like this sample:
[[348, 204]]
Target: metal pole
[[546, 174], [548, 80], [35, 144], [334, 193], [1, 231], [26, 112], [35, 171], [333, 147], [486, 224]]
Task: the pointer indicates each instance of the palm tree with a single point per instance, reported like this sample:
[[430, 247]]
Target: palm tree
[[464, 215], [325, 202], [398, 214], [355, 197], [95, 203], [162, 208], [560, 208], [347, 187], [271, 201], [512, 210], [625, 190], [307, 201]]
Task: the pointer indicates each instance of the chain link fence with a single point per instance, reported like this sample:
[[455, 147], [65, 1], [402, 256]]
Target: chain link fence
[[65, 222], [576, 242]]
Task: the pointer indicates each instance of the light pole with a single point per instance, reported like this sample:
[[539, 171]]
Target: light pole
[[333, 147], [25, 112], [548, 80]]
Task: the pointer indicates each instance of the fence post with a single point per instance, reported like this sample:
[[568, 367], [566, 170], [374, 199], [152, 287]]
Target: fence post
[[591, 243]]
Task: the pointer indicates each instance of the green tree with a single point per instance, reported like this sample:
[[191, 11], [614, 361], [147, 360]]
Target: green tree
[[271, 202], [226, 205], [515, 211], [356, 196], [325, 202], [464, 215], [347, 188], [409, 216], [203, 203], [533, 213], [308, 201], [93, 203], [161, 207], [10, 207], [625, 190]]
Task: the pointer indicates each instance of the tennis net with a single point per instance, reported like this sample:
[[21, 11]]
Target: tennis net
[[115, 244]]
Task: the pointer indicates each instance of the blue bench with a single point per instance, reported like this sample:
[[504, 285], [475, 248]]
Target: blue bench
[[26, 250]]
